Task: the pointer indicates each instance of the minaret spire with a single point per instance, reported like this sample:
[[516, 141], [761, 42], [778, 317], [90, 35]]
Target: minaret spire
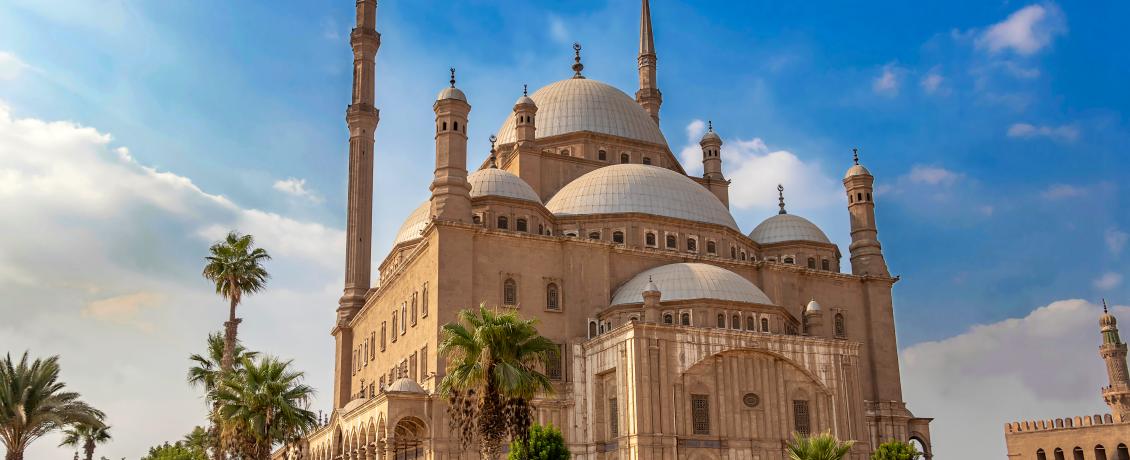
[[361, 116], [648, 95], [1113, 351], [781, 199]]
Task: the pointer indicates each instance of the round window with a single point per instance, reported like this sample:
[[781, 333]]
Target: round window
[[751, 399]]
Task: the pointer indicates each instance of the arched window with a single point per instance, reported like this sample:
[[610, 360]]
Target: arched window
[[445, 126], [721, 320], [668, 319], [551, 297], [851, 199], [521, 225], [764, 324], [1059, 454], [1123, 454], [455, 126], [618, 237], [592, 329], [743, 255], [692, 245], [733, 252], [624, 158], [789, 260], [735, 322], [503, 222], [868, 196], [1100, 452], [839, 326], [1040, 455], [858, 196], [812, 263], [650, 239], [602, 155], [565, 152], [477, 219], [594, 235], [802, 421], [1077, 452], [672, 242], [825, 265], [510, 292], [541, 229], [749, 325], [685, 319], [646, 160], [711, 248]]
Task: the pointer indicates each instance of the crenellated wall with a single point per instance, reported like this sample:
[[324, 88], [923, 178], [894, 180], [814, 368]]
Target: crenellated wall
[[1092, 436]]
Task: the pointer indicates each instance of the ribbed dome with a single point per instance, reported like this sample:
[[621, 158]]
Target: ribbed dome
[[581, 104], [451, 93], [643, 189], [710, 136], [688, 281], [857, 170], [405, 385], [812, 307], [787, 227], [496, 182], [411, 228]]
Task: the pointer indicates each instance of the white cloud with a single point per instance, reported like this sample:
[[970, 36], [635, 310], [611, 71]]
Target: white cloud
[[1060, 191], [932, 82], [932, 175], [330, 30], [296, 188], [975, 382], [887, 83], [1028, 131], [1026, 31], [1108, 281], [11, 67], [109, 251], [558, 31], [1115, 240]]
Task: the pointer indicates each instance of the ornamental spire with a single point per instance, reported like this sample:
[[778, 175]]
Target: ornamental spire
[[452, 81], [493, 164], [1104, 306], [524, 90], [781, 199], [648, 96], [855, 155], [577, 66], [647, 38]]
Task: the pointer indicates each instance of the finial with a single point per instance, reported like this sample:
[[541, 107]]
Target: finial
[[855, 155], [649, 280], [524, 90], [709, 125], [577, 66], [493, 165], [452, 77], [1104, 306], [781, 198]]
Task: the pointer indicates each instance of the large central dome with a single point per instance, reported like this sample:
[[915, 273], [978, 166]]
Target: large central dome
[[580, 104], [643, 189]]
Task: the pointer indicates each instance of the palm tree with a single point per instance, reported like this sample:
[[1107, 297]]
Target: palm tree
[[33, 403], [492, 373], [236, 267], [86, 436], [206, 374], [266, 404], [823, 446]]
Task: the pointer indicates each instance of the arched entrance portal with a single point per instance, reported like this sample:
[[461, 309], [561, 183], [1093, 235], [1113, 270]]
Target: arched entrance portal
[[407, 441]]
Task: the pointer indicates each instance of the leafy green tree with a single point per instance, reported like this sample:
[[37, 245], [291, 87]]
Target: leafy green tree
[[265, 404], [822, 446], [206, 373], [177, 451], [543, 443], [199, 438], [493, 362], [33, 403], [235, 266], [896, 450], [86, 436]]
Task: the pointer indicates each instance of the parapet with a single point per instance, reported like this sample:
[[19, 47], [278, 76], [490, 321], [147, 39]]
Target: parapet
[[1060, 423]]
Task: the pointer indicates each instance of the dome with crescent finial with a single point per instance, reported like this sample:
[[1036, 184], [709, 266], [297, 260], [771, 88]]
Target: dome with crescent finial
[[690, 281], [498, 182]]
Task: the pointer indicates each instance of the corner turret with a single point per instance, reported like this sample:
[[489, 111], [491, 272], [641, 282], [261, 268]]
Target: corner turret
[[451, 193]]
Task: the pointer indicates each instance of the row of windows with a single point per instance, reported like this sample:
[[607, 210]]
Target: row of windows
[[520, 224], [700, 416], [859, 196], [416, 306], [825, 264], [510, 295], [1077, 454], [454, 126], [602, 155]]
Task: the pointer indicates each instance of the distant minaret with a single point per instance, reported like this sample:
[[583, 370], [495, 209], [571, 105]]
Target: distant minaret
[[648, 96], [362, 117], [866, 252], [715, 181], [451, 193], [1113, 351]]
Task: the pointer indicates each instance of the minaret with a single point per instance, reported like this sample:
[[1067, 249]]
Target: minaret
[[866, 252], [525, 113], [525, 155], [711, 145], [451, 193], [813, 319], [1113, 351], [648, 96], [651, 296], [362, 117]]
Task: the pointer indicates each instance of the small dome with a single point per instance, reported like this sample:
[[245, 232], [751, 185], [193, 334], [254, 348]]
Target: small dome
[[710, 136], [650, 286], [451, 92], [1107, 320], [812, 307], [416, 222], [405, 385], [643, 189], [525, 100], [496, 182], [857, 170], [787, 227], [689, 281], [581, 104]]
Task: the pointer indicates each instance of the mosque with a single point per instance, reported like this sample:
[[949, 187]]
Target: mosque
[[681, 336]]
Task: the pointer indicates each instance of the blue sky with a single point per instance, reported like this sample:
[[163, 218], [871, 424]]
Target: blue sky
[[997, 131]]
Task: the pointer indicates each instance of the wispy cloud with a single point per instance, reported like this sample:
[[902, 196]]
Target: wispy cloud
[[1108, 281], [932, 82], [1061, 191], [888, 81], [1027, 131], [932, 175], [558, 31], [1115, 240], [296, 188], [11, 66], [124, 309], [1024, 32]]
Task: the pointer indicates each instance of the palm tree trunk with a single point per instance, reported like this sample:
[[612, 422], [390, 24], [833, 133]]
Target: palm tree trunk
[[230, 327], [14, 454], [217, 444], [88, 447]]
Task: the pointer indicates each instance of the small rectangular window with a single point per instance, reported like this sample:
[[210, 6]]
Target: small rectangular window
[[613, 418], [412, 368], [394, 324], [700, 414], [801, 420], [553, 366], [424, 302], [423, 363]]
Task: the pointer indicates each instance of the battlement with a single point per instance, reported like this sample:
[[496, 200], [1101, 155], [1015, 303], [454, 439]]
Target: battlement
[[1060, 423]]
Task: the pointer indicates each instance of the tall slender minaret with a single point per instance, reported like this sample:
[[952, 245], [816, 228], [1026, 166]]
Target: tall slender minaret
[[648, 96], [1113, 351], [866, 252], [451, 193], [362, 117]]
